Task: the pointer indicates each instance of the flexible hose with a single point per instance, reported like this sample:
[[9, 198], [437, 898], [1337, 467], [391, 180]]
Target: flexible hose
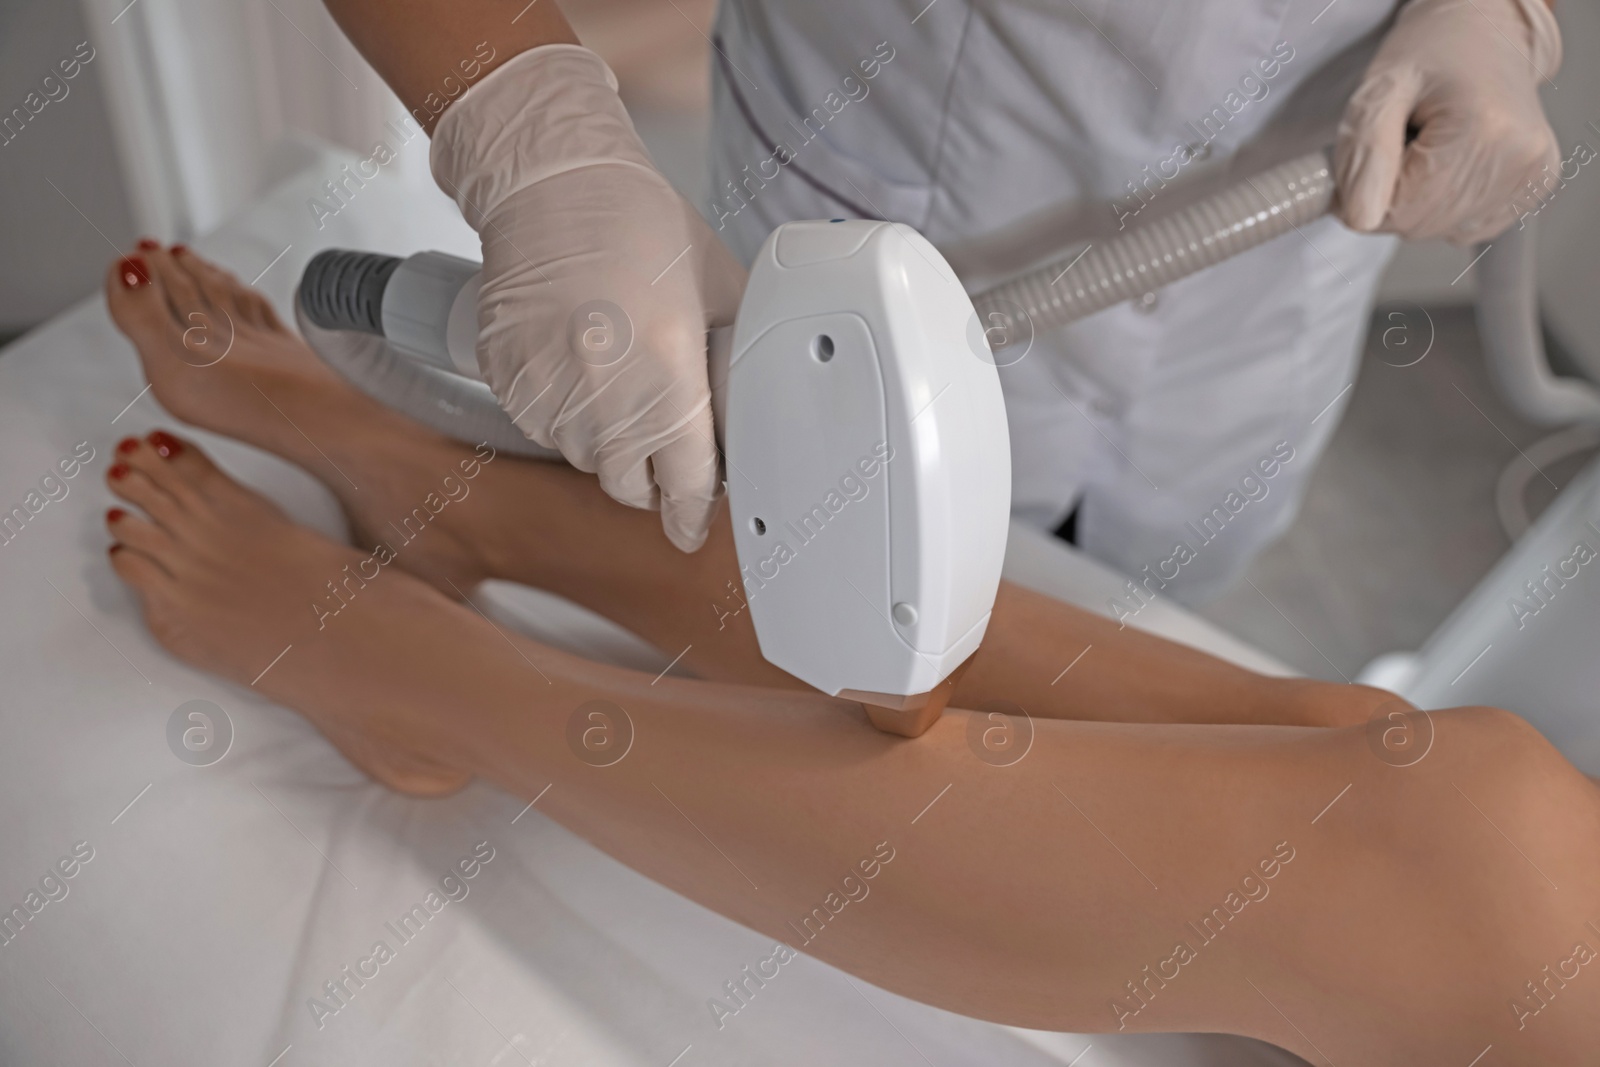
[[1513, 344], [342, 290], [1205, 233]]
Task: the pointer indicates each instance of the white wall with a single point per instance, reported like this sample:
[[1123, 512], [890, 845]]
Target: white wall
[[188, 111], [50, 255], [208, 96]]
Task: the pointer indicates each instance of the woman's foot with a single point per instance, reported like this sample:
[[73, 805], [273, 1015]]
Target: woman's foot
[[217, 356], [230, 585]]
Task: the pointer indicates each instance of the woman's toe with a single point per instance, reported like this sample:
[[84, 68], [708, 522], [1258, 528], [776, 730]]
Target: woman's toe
[[135, 300], [139, 570], [226, 291], [136, 487], [180, 466], [181, 470], [134, 531], [183, 294], [181, 458], [175, 466]]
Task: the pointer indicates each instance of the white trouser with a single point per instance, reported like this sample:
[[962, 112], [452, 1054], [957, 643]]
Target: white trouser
[[1184, 430]]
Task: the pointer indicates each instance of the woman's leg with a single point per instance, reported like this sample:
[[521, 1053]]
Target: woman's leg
[[550, 526], [1279, 882]]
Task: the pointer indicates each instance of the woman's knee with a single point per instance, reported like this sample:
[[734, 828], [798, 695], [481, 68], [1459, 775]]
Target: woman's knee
[[1531, 874], [1506, 752], [1512, 818], [1470, 804], [1482, 826]]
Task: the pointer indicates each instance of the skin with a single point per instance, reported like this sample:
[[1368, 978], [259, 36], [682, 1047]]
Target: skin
[[1408, 906], [415, 44]]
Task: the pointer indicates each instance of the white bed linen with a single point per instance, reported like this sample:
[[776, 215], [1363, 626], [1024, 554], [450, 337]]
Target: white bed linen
[[219, 899]]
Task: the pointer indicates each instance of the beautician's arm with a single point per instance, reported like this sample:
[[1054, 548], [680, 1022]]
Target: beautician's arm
[[578, 226], [415, 44]]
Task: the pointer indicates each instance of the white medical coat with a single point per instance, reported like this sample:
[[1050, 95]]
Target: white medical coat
[[1005, 131]]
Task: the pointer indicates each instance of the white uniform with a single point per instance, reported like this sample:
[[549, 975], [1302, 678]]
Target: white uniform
[[1004, 131]]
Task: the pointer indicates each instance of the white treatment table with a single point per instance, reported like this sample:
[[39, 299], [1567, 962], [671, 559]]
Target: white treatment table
[[219, 899]]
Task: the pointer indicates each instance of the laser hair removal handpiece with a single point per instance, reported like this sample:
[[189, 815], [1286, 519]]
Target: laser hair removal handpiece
[[862, 425]]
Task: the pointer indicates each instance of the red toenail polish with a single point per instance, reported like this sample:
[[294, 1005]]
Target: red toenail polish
[[165, 444], [149, 244], [115, 515], [133, 271], [179, 250], [127, 444], [117, 472]]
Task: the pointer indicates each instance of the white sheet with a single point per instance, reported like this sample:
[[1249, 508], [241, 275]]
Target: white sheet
[[219, 899]]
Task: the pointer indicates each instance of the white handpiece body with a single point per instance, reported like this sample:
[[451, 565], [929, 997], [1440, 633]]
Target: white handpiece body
[[865, 444], [868, 462]]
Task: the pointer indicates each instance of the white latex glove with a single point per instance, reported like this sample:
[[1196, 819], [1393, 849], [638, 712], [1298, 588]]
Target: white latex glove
[[1467, 74], [599, 282]]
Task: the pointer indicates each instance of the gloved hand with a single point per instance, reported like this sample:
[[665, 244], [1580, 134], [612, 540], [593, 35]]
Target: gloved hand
[[599, 282], [1466, 73]]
